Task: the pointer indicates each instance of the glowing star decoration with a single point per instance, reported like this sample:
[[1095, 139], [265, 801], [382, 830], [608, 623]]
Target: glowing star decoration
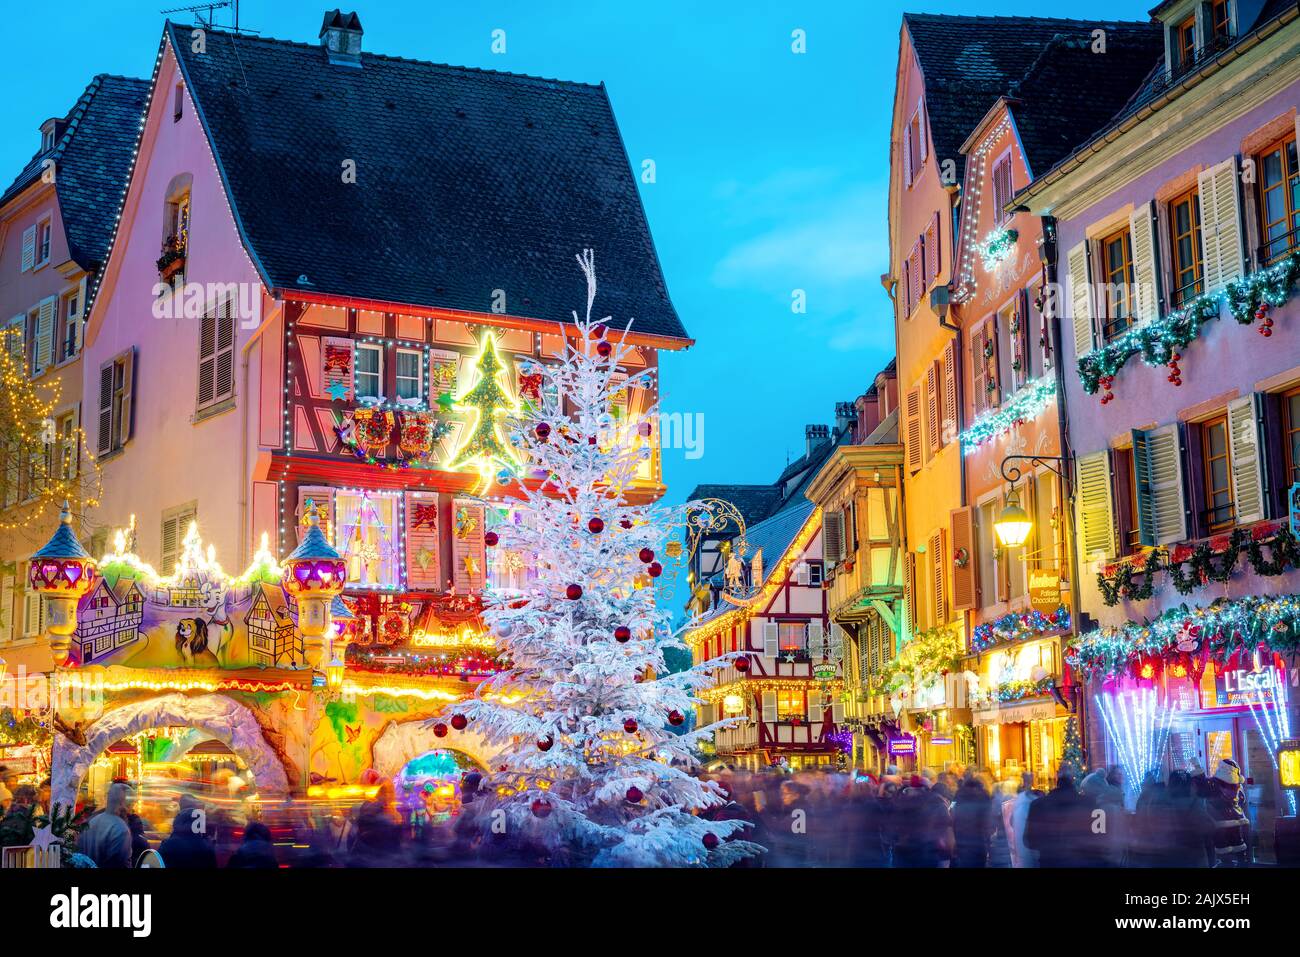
[[484, 448], [337, 391]]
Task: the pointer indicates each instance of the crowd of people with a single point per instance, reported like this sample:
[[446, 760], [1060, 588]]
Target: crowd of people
[[961, 817]]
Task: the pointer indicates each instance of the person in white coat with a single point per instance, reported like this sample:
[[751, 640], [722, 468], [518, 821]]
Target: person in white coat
[[1015, 813]]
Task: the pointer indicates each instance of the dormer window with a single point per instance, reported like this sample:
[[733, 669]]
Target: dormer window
[[47, 140], [1220, 24], [1184, 44]]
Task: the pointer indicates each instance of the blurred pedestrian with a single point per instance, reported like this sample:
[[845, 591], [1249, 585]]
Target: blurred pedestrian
[[107, 839], [256, 852], [188, 846], [139, 841], [1106, 837], [1227, 805], [1015, 815], [1187, 825], [923, 826], [972, 823], [16, 827], [1055, 825], [379, 830]]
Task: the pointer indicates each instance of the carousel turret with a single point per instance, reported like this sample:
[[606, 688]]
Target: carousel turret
[[62, 572], [314, 573]]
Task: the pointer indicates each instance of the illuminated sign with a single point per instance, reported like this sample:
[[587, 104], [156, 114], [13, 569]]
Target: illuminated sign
[[1288, 764], [903, 745]]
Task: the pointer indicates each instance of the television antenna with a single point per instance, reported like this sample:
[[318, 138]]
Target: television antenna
[[205, 13]]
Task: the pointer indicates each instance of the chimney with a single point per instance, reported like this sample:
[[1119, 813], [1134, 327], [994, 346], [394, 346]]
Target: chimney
[[340, 35], [817, 436], [845, 416]]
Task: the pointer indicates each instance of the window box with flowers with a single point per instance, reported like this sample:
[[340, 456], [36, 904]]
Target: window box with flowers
[[172, 260]]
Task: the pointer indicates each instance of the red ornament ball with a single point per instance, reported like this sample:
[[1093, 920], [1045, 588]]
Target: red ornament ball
[[596, 526], [604, 348], [675, 718], [742, 664], [646, 555], [710, 841], [543, 431], [440, 730], [630, 725], [634, 795], [541, 808], [622, 634], [573, 592], [654, 569], [545, 743], [490, 538], [459, 722]]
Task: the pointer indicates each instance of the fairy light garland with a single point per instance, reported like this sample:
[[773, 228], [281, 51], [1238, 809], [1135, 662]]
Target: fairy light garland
[[1028, 402], [1217, 631], [1017, 627], [1248, 299], [965, 286]]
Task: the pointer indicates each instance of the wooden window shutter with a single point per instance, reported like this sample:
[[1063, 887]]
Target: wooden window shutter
[[1095, 505], [6, 607], [1081, 313], [124, 426], [29, 249], [962, 533], [933, 255], [833, 536], [951, 416], [43, 347], [932, 409], [771, 639], [33, 614], [1146, 298], [907, 174], [104, 437], [909, 591], [468, 550], [207, 359], [939, 564], [1158, 465], [801, 573], [918, 274], [993, 384], [423, 569], [1221, 240], [1022, 369], [816, 640], [318, 498], [979, 368], [337, 361], [923, 147], [225, 375], [912, 412], [1244, 415], [769, 706], [813, 702], [16, 337], [1029, 502]]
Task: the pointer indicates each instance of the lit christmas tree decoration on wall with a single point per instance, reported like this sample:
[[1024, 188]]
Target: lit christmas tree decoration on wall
[[484, 448]]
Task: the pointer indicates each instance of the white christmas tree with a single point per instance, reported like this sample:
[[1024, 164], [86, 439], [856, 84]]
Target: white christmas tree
[[591, 764]]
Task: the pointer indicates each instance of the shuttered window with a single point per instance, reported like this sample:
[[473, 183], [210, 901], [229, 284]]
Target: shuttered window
[[1220, 224], [979, 368], [1158, 469], [43, 335], [939, 576], [833, 536], [1146, 298], [933, 409], [217, 355], [1096, 515], [912, 413], [1002, 188], [948, 432], [1081, 307], [175, 523], [29, 249], [1279, 199], [933, 255], [962, 534], [116, 392]]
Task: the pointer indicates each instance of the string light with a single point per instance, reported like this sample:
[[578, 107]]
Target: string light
[[1031, 399], [1138, 727]]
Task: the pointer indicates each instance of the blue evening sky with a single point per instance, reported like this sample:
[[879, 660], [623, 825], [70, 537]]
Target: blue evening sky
[[771, 166]]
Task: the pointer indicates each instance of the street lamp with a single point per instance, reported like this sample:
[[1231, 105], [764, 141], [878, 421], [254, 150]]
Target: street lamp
[[1013, 525], [334, 672]]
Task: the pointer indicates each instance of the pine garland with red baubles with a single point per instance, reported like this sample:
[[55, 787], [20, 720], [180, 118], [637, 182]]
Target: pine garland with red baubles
[[588, 762]]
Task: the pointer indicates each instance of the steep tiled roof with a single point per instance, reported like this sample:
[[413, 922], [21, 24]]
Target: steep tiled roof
[[467, 181], [776, 534], [754, 502], [92, 161], [968, 62]]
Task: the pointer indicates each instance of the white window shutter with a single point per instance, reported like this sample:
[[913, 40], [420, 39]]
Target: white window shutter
[[128, 395], [16, 341], [769, 706], [771, 639], [907, 154], [1247, 483], [836, 649], [43, 348], [801, 573], [1080, 300], [1096, 522], [1221, 243], [1142, 227], [837, 711], [79, 328], [1158, 462], [814, 706], [920, 128], [33, 614], [29, 249], [833, 536], [6, 608], [816, 640]]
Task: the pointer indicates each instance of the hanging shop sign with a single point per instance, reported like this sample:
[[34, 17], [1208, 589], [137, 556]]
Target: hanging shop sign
[[1044, 590], [902, 746], [824, 672], [1288, 764]]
